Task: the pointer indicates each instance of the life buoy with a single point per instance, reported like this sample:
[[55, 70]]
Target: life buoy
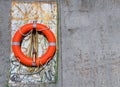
[[39, 60]]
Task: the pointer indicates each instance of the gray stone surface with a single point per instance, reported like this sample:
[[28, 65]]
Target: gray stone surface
[[4, 40], [89, 43]]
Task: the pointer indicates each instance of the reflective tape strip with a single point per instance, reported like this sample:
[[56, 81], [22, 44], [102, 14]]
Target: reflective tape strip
[[34, 25], [15, 43], [52, 44], [33, 64]]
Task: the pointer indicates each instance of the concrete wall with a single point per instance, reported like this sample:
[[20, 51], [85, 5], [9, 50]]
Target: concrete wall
[[4, 40], [89, 43]]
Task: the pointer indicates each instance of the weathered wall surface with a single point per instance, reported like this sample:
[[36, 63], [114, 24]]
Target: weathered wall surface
[[90, 45], [4, 40]]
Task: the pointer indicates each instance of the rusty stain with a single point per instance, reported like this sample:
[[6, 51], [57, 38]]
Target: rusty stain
[[26, 13], [84, 71], [115, 67]]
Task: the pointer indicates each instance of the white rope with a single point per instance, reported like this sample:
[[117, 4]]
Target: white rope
[[24, 34], [44, 29], [31, 31]]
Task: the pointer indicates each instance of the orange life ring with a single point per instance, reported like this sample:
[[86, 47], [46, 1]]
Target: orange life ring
[[39, 60]]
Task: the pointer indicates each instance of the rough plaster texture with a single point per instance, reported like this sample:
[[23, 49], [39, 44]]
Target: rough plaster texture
[[4, 40], [89, 43]]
